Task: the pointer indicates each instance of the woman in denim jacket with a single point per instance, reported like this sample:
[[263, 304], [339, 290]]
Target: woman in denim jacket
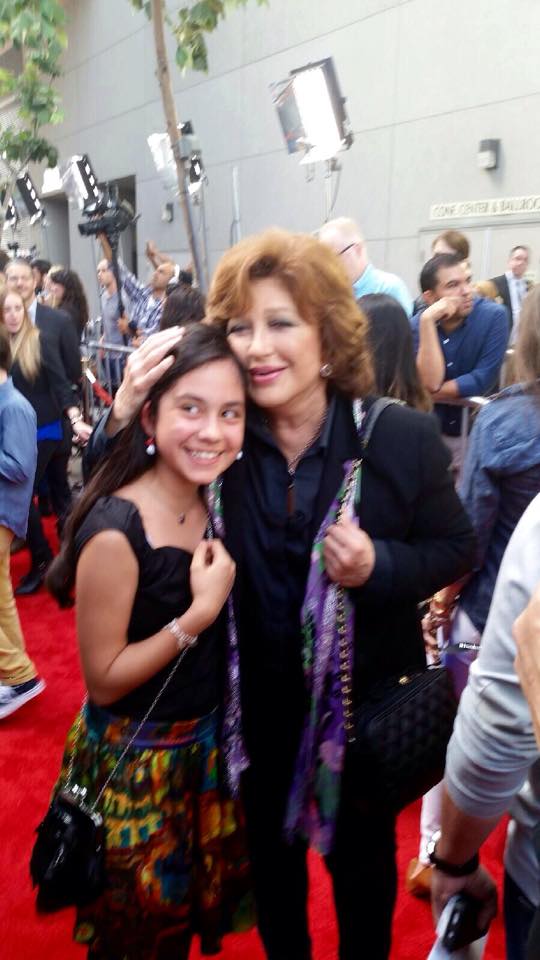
[[501, 476]]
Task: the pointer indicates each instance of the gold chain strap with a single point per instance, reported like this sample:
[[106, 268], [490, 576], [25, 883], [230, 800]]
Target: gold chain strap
[[345, 669]]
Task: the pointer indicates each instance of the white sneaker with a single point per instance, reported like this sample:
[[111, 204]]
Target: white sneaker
[[11, 698]]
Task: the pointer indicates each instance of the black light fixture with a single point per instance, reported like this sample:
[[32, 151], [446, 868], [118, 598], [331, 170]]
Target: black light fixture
[[30, 198], [11, 215], [311, 111], [85, 180]]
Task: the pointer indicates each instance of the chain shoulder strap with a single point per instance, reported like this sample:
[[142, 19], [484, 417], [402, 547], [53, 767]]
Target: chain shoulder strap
[[131, 739], [345, 665], [365, 424]]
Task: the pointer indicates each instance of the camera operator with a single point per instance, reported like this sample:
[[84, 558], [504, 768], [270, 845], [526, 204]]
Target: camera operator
[[146, 300], [115, 327]]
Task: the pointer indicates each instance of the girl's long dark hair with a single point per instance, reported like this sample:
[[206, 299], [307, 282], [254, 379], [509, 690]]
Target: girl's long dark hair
[[128, 459], [391, 342], [74, 298]]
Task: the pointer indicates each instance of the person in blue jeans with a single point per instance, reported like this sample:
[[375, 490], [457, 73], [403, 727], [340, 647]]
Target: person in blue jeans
[[19, 681]]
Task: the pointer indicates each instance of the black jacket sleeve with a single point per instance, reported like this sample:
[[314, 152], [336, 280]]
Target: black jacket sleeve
[[423, 538], [51, 360], [98, 446]]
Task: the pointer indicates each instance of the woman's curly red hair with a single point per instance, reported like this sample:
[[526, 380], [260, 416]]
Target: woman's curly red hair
[[317, 283]]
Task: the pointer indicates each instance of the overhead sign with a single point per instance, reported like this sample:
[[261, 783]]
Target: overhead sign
[[500, 207]]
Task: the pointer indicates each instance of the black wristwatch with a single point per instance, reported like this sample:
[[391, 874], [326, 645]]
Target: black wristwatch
[[450, 869]]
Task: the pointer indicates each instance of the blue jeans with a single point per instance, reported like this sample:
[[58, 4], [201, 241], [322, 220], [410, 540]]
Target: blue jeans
[[518, 917]]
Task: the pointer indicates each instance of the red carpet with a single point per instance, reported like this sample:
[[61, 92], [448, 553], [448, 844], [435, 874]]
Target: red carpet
[[30, 748]]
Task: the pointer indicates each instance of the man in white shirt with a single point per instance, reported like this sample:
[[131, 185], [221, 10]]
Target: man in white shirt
[[513, 286]]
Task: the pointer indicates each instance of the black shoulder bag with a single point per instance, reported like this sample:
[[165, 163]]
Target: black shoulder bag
[[68, 860], [399, 734]]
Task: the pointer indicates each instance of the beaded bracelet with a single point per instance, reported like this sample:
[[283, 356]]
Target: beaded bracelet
[[182, 638]]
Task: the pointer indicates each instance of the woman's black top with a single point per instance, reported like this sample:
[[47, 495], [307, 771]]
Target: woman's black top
[[408, 506], [163, 592]]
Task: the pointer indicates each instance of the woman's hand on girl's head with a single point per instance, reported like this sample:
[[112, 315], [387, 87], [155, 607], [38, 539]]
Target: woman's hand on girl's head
[[212, 576], [349, 554], [143, 369]]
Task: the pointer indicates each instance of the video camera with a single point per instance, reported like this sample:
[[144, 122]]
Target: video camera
[[108, 214]]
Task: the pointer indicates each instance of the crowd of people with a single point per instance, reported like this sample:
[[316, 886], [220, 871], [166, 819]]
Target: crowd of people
[[241, 543]]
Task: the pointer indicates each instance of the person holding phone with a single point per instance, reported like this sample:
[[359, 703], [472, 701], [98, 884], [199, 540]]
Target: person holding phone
[[493, 759]]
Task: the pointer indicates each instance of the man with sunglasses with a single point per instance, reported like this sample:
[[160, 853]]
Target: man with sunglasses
[[344, 237]]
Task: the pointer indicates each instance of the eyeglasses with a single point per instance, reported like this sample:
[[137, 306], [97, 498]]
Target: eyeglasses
[[348, 247]]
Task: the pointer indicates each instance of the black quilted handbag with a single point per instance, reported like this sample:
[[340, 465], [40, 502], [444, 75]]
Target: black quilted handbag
[[68, 859], [401, 732]]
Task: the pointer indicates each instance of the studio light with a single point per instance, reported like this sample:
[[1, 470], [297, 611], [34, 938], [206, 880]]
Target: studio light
[[86, 179], [311, 112], [190, 150], [162, 155], [11, 216], [80, 182], [30, 198], [52, 181]]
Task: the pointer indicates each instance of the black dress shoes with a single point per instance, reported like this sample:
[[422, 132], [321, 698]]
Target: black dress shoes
[[32, 580]]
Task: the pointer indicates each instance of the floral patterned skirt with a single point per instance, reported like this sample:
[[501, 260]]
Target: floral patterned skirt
[[176, 856]]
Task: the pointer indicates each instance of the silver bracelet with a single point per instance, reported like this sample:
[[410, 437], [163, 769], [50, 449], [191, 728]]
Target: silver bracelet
[[182, 638]]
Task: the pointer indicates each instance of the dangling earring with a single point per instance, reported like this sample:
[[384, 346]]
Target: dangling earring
[[240, 454], [326, 370], [150, 447]]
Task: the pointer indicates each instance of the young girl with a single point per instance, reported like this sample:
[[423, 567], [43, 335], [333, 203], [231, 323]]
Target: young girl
[[152, 581]]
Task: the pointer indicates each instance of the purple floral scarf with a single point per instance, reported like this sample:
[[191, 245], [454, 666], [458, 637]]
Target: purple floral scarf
[[236, 760], [314, 798]]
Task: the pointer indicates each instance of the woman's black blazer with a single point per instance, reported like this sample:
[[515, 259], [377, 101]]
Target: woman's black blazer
[[409, 507], [51, 392]]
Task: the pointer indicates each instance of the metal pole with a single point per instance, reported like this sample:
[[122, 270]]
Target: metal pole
[[327, 189], [236, 224]]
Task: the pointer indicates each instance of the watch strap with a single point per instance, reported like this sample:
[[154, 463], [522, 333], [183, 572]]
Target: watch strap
[[454, 869]]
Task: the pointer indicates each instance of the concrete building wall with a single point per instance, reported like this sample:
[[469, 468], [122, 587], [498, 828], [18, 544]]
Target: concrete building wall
[[424, 82]]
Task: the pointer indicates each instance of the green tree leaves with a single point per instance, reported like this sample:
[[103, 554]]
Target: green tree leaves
[[189, 26], [37, 29]]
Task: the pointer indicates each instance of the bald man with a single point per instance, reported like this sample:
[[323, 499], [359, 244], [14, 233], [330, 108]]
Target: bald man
[[344, 237]]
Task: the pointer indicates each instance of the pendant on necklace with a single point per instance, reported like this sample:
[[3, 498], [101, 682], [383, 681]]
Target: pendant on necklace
[[290, 495]]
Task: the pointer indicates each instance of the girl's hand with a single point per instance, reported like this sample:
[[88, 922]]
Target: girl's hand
[[212, 576]]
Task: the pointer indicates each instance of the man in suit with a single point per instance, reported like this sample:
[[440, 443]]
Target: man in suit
[[57, 327], [513, 286]]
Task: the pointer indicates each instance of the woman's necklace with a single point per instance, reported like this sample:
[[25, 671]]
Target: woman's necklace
[[293, 462]]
